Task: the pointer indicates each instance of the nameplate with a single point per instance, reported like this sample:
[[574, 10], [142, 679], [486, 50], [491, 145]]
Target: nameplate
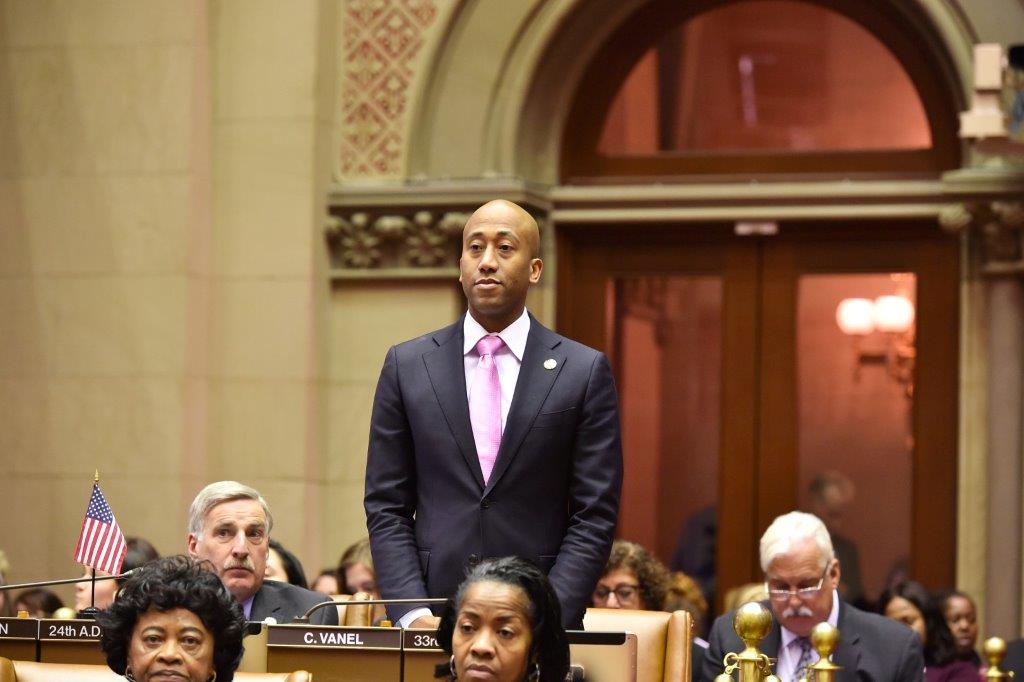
[[420, 640], [334, 637], [19, 628], [68, 630]]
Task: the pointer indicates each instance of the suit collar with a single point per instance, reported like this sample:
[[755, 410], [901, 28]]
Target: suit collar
[[260, 608], [447, 374], [536, 377], [847, 653], [446, 369]]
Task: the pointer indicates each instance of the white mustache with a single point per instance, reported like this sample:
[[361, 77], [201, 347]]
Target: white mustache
[[247, 565], [801, 611]]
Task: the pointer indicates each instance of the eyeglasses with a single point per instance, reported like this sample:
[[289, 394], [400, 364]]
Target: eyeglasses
[[799, 593], [624, 592]]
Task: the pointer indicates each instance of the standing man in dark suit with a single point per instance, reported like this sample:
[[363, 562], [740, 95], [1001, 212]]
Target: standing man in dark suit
[[802, 580], [491, 437], [229, 526]]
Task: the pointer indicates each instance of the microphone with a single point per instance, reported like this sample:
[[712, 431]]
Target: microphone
[[304, 618], [87, 612], [64, 581]]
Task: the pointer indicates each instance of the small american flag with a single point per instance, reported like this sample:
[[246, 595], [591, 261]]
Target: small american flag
[[101, 544]]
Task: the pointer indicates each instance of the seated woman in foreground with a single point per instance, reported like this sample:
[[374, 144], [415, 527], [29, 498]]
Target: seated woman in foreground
[[504, 624], [173, 620]]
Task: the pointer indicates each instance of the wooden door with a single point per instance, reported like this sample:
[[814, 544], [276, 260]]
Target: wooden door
[[739, 393]]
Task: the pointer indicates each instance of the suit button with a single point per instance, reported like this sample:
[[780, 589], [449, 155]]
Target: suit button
[[486, 504], [474, 559]]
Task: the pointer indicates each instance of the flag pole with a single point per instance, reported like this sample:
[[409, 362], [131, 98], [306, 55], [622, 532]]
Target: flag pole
[[91, 610]]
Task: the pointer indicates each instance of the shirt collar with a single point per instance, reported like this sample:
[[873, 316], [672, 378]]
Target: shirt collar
[[247, 606], [833, 620], [513, 335]]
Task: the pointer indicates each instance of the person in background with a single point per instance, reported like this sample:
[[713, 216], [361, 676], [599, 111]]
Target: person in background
[[229, 525], [173, 620], [504, 624], [38, 602], [743, 594], [284, 566], [962, 618], [695, 550], [831, 494], [355, 569], [909, 603], [6, 607], [632, 579], [356, 575], [802, 578], [684, 595], [139, 552], [327, 582]]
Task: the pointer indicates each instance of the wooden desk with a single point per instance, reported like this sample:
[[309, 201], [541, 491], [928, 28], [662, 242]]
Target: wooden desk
[[19, 639], [336, 654], [70, 641], [421, 655]]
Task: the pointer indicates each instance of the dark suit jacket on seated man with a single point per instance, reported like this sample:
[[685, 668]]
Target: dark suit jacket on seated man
[[229, 526], [447, 484], [802, 574]]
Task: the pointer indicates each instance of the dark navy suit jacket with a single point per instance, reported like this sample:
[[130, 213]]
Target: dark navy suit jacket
[[286, 602], [553, 496]]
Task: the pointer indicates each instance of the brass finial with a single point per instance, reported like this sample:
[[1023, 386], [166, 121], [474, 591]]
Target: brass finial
[[752, 623], [824, 639], [995, 652], [96, 476]]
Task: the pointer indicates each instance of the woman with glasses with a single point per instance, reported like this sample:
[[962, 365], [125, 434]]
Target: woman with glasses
[[633, 579]]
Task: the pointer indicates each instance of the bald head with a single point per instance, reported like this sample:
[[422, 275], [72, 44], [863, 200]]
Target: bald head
[[499, 263], [503, 212]]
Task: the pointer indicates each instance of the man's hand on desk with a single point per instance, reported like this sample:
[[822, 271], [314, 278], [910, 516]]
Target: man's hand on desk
[[427, 622]]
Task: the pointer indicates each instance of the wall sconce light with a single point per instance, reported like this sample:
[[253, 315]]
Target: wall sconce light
[[893, 316]]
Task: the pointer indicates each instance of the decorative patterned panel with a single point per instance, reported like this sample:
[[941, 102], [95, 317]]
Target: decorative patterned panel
[[381, 42]]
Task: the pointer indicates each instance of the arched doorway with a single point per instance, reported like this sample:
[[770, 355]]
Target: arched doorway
[[717, 299]]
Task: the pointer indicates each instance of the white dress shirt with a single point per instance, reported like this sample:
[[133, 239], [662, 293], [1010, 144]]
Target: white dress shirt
[[508, 359], [789, 656]]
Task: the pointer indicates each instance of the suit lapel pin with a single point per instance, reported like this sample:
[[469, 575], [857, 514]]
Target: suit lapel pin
[[550, 363]]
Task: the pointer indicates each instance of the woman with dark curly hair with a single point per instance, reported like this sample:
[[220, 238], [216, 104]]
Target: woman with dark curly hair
[[505, 624], [911, 604], [633, 579], [173, 619]]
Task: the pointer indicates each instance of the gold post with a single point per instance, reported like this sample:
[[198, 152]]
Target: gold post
[[824, 639], [96, 477], [995, 652], [752, 623]]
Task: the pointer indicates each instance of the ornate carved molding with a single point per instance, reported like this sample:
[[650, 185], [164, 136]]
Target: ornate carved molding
[[998, 227], [397, 242]]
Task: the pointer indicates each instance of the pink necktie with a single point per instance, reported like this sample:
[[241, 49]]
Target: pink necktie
[[485, 404]]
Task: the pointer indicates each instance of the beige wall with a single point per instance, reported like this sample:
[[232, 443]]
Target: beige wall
[[162, 286], [99, 183]]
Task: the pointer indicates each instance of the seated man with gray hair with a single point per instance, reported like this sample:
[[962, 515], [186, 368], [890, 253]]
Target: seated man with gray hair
[[229, 526], [801, 577]]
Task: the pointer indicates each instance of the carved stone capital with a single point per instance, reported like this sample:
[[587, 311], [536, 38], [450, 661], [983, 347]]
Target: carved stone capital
[[998, 227], [378, 242]]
